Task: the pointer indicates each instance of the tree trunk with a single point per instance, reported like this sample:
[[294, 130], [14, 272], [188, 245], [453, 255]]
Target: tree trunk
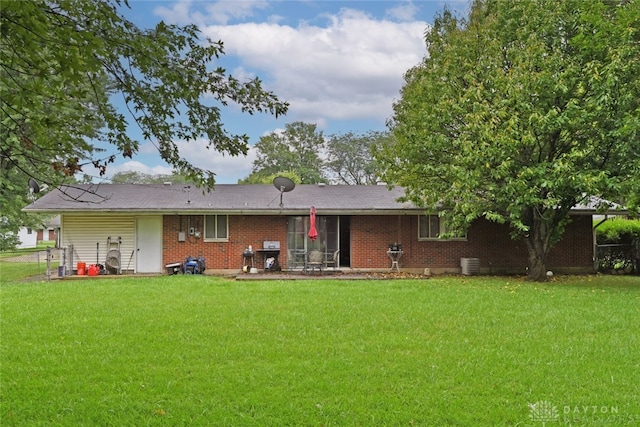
[[537, 268], [538, 247], [545, 229]]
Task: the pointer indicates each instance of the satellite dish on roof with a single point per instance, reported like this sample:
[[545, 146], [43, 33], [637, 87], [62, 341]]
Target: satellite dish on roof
[[284, 185], [34, 188]]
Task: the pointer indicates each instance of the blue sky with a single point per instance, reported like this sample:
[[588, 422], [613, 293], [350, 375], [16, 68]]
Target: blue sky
[[339, 64]]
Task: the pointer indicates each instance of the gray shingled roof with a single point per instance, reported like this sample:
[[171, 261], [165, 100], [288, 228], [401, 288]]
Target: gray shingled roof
[[251, 199], [593, 204], [232, 198]]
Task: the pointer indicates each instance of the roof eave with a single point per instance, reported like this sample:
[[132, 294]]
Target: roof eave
[[261, 212], [596, 212]]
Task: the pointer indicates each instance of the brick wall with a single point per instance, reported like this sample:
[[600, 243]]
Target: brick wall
[[243, 231], [576, 247], [488, 241], [370, 237]]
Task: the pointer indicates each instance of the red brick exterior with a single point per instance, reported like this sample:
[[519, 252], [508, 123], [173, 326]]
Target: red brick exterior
[[370, 237], [243, 231], [488, 241]]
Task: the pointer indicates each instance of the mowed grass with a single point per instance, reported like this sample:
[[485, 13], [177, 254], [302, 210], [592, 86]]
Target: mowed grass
[[11, 272], [23, 263], [194, 350]]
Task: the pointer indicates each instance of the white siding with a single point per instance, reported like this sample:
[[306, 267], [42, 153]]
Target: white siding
[[84, 232], [28, 238]]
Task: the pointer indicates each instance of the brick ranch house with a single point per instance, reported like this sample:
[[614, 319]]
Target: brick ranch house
[[155, 225]]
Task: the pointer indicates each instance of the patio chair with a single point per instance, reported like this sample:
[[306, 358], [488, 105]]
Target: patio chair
[[333, 259], [296, 258], [315, 259]]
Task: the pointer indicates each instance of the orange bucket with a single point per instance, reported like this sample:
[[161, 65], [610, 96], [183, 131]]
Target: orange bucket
[[82, 268]]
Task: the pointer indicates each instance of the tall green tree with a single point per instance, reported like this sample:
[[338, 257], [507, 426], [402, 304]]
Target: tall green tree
[[268, 179], [134, 177], [297, 149], [350, 157], [76, 73], [520, 111]]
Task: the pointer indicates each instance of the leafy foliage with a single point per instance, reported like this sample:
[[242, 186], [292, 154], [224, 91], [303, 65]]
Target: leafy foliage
[[261, 178], [619, 231], [296, 149], [60, 54], [304, 151], [133, 177], [518, 112], [66, 64], [350, 157], [618, 245]]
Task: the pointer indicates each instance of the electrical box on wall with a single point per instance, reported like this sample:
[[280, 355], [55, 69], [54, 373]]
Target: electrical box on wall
[[192, 231], [181, 236]]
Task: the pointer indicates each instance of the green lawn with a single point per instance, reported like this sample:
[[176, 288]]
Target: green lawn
[[23, 264], [194, 350], [12, 271]]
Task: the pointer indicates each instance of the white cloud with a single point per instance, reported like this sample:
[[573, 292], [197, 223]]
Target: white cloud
[[331, 69], [179, 13], [351, 69], [223, 11], [405, 12], [228, 169], [147, 148], [220, 12]]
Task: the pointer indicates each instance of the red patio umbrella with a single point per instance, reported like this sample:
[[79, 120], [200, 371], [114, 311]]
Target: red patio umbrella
[[313, 233]]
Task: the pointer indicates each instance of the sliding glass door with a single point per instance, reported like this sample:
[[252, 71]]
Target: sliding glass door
[[299, 243]]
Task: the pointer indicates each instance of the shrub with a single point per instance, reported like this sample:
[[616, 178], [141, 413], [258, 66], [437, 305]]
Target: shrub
[[619, 230]]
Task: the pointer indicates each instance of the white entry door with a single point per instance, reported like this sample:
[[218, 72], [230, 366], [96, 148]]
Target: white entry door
[[149, 244]]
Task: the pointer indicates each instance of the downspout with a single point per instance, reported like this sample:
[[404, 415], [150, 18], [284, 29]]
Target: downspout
[[595, 243]]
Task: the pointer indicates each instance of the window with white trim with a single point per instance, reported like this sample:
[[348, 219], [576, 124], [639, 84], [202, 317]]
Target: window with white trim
[[431, 227], [216, 228]]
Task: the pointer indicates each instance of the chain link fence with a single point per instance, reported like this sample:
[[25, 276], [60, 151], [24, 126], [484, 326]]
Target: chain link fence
[[35, 264]]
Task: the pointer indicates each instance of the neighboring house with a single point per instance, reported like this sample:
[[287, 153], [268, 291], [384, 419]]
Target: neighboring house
[[49, 230], [28, 238], [151, 226]]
